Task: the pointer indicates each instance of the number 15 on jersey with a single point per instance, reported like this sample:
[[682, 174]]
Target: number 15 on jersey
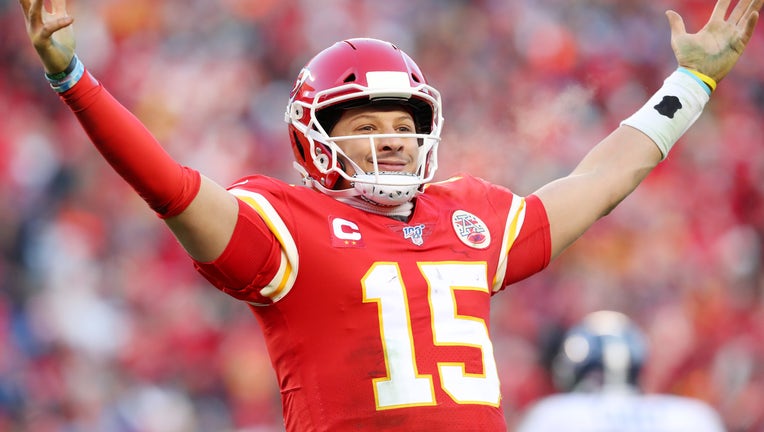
[[404, 386]]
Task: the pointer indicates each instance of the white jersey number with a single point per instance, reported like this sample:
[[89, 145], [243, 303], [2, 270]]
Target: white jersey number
[[404, 386]]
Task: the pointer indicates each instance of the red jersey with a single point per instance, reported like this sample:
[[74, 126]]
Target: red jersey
[[374, 324]]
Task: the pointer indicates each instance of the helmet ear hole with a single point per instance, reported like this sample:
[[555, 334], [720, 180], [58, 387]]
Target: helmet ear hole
[[323, 161], [296, 112]]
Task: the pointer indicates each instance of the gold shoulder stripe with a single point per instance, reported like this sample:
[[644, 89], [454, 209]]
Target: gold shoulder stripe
[[287, 272], [515, 219]]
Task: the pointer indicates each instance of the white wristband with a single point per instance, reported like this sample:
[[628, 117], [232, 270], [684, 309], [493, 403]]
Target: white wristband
[[671, 110]]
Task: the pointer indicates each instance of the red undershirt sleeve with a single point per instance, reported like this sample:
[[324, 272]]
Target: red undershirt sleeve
[[131, 149]]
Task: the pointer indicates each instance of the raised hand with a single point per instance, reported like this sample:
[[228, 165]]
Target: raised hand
[[716, 48], [51, 33]]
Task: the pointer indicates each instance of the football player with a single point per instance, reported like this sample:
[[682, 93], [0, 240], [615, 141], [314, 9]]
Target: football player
[[597, 369], [372, 284]]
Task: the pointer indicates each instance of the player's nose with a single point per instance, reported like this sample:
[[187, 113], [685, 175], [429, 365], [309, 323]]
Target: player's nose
[[391, 141]]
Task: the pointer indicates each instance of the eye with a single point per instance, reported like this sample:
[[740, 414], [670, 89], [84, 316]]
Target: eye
[[365, 128], [405, 129]]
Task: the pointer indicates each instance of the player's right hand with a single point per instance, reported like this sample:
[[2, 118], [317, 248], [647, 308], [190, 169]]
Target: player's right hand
[[51, 33]]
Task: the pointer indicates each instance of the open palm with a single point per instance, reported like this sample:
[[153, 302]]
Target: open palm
[[716, 48]]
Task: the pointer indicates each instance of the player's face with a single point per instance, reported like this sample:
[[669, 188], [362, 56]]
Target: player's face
[[394, 154]]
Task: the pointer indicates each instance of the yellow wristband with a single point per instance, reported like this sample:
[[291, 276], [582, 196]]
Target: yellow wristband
[[710, 82]]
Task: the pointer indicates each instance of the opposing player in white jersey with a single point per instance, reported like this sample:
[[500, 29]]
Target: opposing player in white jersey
[[598, 366]]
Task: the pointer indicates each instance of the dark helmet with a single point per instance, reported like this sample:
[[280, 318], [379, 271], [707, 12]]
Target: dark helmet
[[606, 350]]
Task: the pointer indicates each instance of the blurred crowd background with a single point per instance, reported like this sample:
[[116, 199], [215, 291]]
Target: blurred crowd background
[[105, 326]]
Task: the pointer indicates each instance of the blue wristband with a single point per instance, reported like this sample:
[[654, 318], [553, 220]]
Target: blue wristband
[[63, 81]]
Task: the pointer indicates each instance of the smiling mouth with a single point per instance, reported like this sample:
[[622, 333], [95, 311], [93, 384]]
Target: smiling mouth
[[390, 165], [382, 167]]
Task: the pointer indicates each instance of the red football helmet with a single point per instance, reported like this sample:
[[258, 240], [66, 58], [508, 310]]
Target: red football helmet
[[351, 73]]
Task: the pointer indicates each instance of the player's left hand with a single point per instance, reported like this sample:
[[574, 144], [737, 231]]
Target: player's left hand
[[716, 48]]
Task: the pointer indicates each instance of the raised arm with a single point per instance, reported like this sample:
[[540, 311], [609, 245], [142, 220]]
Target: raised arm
[[201, 213], [616, 166]]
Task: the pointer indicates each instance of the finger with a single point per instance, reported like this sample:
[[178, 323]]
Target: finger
[[35, 12], [24, 7], [750, 25], [58, 7], [720, 10], [743, 9], [755, 6], [55, 25], [676, 23]]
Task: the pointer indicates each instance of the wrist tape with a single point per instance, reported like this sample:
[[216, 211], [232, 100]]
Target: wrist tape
[[671, 110]]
